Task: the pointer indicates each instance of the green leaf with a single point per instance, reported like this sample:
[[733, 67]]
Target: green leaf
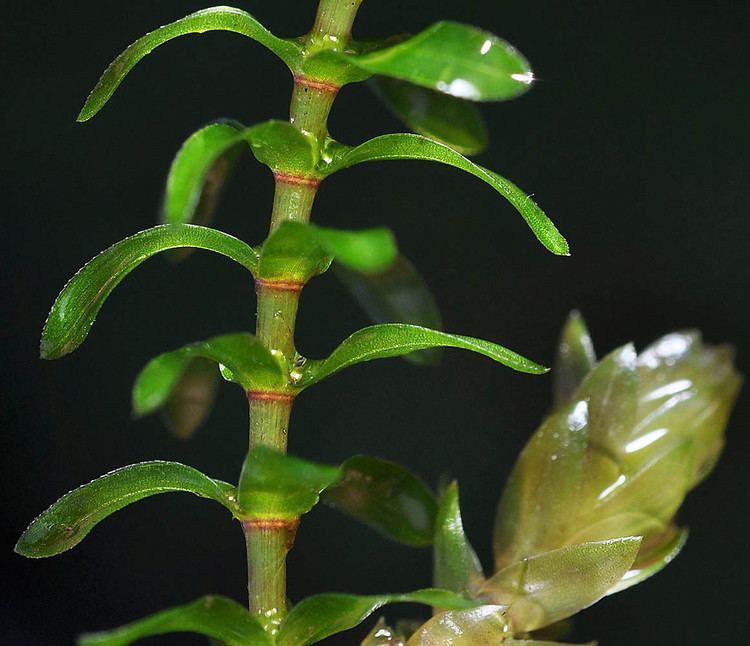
[[396, 339], [451, 121], [387, 497], [406, 146], [546, 588], [191, 398], [199, 172], [456, 565], [322, 615], [296, 251], [70, 519], [575, 358], [455, 59], [280, 486], [653, 557], [398, 294], [212, 19], [216, 617], [75, 309], [481, 625], [282, 147], [244, 357]]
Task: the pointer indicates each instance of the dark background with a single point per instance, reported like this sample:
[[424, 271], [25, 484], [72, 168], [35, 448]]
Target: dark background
[[634, 140]]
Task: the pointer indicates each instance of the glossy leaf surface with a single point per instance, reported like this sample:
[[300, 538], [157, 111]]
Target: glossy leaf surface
[[199, 172], [387, 497], [282, 147], [455, 59], [75, 309], [322, 615], [481, 625], [297, 251], [243, 357], [406, 146], [398, 294], [216, 617], [620, 456], [451, 121], [575, 358], [281, 486], [456, 566], [382, 635], [546, 588], [212, 19], [63, 525], [395, 339]]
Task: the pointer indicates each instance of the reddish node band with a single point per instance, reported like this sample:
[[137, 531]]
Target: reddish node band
[[270, 523], [268, 396], [279, 285], [330, 88], [301, 180]]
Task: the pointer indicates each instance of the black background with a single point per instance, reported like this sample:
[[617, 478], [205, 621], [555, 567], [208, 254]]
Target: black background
[[634, 140]]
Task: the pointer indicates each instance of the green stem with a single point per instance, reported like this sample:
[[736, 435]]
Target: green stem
[[268, 540]]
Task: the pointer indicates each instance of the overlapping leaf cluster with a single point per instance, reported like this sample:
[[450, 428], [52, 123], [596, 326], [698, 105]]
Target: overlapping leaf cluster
[[575, 522], [590, 506]]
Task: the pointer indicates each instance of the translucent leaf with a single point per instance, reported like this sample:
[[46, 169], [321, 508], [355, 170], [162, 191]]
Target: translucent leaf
[[296, 251], [198, 173], [276, 485], [451, 121], [247, 360], [387, 497], [70, 519], [455, 59], [406, 146], [546, 588], [482, 625], [456, 566], [75, 309], [575, 358], [394, 339], [398, 294], [212, 19], [282, 147], [191, 399], [653, 556], [216, 617], [323, 615]]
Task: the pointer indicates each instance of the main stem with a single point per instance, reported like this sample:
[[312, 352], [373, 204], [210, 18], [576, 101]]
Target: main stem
[[269, 540]]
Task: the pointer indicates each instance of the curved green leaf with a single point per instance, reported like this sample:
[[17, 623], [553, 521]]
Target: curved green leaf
[[75, 309], [297, 251], [456, 566], [212, 19], [398, 294], [63, 525], [199, 172], [387, 497], [455, 59], [248, 361], [396, 339], [406, 146], [276, 485], [485, 624], [543, 589], [575, 358], [451, 121], [215, 617], [282, 147], [323, 615]]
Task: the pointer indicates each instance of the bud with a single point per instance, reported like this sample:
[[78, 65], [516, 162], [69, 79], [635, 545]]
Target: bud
[[628, 438]]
